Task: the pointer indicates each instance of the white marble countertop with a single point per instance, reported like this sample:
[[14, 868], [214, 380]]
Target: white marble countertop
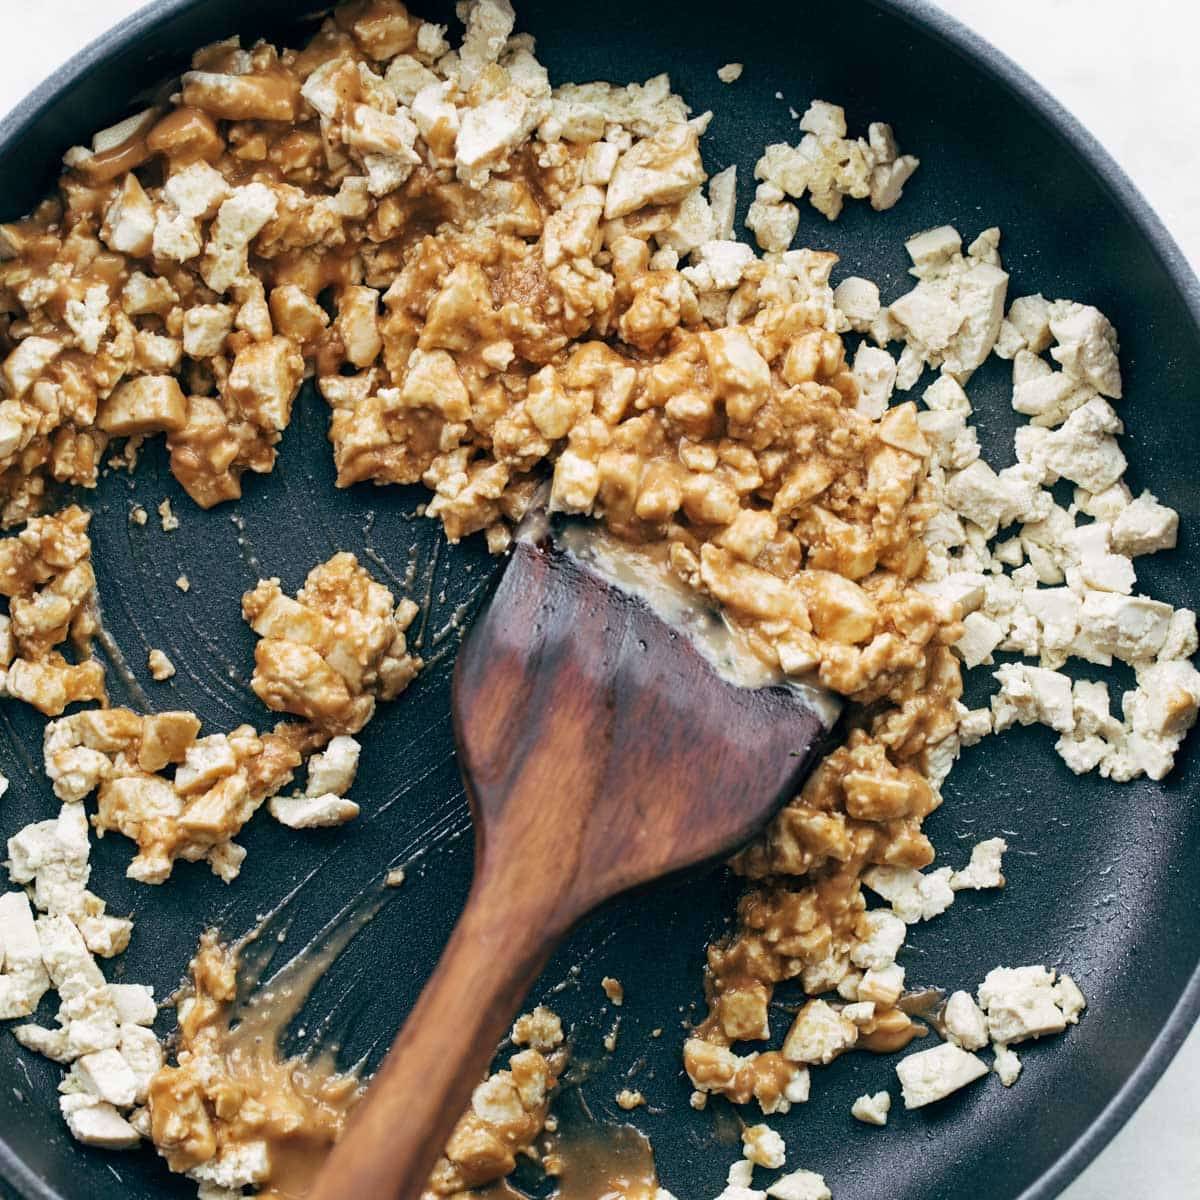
[[1140, 95]]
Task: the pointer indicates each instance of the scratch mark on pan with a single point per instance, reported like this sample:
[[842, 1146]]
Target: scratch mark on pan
[[426, 601], [120, 666], [246, 547]]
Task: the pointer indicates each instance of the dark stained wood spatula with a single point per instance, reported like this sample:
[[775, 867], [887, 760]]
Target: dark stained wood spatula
[[601, 748]]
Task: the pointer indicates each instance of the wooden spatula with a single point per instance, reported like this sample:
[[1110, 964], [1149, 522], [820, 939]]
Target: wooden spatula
[[601, 749]]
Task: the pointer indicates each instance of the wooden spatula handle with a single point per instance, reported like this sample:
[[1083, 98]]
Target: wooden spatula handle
[[425, 1083]]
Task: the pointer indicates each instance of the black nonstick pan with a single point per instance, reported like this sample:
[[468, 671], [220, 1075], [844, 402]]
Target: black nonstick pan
[[1103, 879]]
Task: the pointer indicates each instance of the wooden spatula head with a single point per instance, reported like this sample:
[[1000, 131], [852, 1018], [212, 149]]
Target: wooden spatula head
[[599, 744]]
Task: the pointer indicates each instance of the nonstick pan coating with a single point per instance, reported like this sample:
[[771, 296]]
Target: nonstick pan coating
[[1103, 879]]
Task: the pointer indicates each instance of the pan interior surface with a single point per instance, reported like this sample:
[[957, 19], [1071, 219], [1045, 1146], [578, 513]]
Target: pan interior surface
[[1103, 879]]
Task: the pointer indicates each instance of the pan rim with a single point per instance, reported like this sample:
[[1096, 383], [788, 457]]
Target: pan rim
[[1025, 90]]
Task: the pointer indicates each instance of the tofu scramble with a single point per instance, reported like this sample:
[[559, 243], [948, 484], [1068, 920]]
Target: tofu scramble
[[492, 282]]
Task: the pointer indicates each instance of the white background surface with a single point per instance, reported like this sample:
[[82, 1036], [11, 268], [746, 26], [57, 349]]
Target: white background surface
[[1125, 68]]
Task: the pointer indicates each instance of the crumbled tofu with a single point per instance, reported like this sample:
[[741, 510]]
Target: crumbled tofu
[[913, 896], [134, 1003], [985, 868], [23, 978], [1069, 999], [1006, 1065], [861, 1012], [965, 1023], [541, 1029], [1144, 526], [1020, 1004], [614, 990], [1086, 346], [1029, 695], [161, 667], [331, 652], [829, 166], [882, 985], [800, 1185], [875, 373], [772, 219], [858, 300], [819, 1034], [661, 169], [981, 635], [872, 1109], [718, 266], [884, 935], [96, 1123], [730, 72], [312, 812], [952, 317], [333, 770], [106, 1074], [1131, 628], [52, 1043], [722, 200], [629, 1100], [205, 329], [740, 1174], [932, 1075], [763, 1147]]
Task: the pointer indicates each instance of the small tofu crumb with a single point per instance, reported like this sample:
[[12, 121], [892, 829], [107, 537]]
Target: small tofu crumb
[[800, 1185], [872, 1110], [167, 516], [183, 583], [984, 869], [1006, 1065], [614, 989], [629, 1100], [730, 72], [763, 1147], [161, 667], [740, 1174], [137, 514], [394, 878]]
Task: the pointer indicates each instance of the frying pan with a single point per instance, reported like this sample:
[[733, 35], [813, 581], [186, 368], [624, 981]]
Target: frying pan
[[1103, 879]]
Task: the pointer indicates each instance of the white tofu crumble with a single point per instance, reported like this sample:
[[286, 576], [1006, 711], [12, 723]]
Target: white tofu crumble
[[828, 167], [914, 896], [1024, 1002], [800, 1185], [103, 1032], [312, 812], [160, 666], [932, 1075], [1006, 1065], [965, 1022], [872, 1109], [985, 868], [763, 1147]]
